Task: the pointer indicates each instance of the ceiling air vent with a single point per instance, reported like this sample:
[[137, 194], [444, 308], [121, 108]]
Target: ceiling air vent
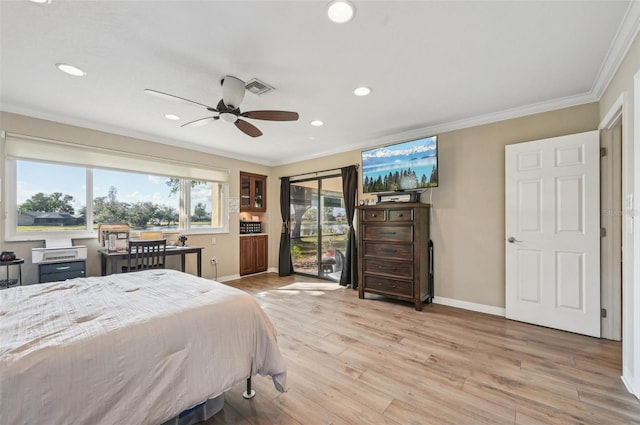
[[256, 86]]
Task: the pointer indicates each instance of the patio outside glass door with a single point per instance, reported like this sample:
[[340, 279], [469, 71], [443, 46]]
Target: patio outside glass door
[[318, 227]]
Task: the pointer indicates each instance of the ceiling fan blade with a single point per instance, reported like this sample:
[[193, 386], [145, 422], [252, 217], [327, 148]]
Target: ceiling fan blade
[[271, 115], [248, 128], [199, 123], [173, 98]]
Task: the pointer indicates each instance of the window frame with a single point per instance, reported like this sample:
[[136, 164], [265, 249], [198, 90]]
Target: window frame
[[184, 209]]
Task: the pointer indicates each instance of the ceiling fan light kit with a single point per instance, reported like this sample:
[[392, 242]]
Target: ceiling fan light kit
[[232, 91], [228, 117], [228, 108]]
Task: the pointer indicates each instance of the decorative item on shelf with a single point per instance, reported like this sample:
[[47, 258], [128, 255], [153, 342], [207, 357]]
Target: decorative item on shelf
[[7, 256], [183, 239]]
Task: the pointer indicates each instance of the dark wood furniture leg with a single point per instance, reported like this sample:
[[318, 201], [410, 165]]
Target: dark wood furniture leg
[[114, 265]]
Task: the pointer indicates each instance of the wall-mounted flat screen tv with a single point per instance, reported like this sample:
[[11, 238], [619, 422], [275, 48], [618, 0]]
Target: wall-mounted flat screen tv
[[410, 165]]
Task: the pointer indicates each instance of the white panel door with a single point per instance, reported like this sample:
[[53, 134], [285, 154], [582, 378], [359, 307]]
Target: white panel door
[[552, 198]]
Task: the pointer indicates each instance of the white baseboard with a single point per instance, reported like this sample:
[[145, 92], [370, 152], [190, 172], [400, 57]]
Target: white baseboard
[[227, 278], [629, 387], [481, 308], [237, 276]]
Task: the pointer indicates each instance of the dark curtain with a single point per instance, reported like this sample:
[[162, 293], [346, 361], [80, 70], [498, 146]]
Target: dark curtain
[[349, 276], [285, 265]]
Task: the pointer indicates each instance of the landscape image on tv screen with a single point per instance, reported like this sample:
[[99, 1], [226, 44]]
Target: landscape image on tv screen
[[403, 166]]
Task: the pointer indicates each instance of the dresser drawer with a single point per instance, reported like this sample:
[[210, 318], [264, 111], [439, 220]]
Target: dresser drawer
[[374, 216], [56, 272], [387, 233], [386, 250], [400, 269], [400, 215], [388, 286]]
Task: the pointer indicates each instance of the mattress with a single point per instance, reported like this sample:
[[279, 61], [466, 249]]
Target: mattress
[[128, 348]]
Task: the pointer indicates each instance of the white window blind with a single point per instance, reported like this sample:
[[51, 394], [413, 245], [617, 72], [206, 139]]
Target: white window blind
[[32, 148]]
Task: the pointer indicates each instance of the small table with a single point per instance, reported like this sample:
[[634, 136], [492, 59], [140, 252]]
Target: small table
[[114, 257], [8, 282]]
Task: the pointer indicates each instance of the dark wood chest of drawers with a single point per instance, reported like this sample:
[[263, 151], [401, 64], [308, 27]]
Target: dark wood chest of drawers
[[393, 251]]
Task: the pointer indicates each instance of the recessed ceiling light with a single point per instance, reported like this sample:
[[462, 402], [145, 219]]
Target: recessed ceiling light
[[171, 117], [362, 91], [317, 123], [41, 1], [340, 11], [71, 70]]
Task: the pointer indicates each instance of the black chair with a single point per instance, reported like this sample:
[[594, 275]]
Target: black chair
[[143, 255]]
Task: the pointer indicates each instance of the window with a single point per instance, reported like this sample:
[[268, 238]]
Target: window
[[50, 196]]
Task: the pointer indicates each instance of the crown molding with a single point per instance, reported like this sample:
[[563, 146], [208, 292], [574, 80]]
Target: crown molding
[[626, 34], [518, 112]]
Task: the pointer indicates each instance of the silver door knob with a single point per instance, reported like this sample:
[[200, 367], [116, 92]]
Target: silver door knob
[[512, 239]]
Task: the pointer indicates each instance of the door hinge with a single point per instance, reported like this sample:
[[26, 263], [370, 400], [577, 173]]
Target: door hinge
[[603, 232], [603, 312], [603, 152]]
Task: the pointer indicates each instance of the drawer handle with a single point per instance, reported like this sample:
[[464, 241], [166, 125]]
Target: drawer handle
[[63, 268], [387, 233], [400, 215], [374, 215], [389, 251], [387, 268]]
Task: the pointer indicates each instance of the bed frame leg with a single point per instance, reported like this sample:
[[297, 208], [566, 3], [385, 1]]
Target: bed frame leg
[[249, 393]]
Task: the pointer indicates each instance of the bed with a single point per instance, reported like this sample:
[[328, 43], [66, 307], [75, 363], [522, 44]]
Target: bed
[[135, 348]]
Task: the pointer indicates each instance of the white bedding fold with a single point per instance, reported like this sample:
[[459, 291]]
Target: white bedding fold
[[132, 348]]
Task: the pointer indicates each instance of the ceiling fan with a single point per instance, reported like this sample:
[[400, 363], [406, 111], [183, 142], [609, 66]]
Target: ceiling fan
[[228, 108]]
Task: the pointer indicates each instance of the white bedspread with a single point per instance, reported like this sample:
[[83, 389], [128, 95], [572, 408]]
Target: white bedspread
[[134, 348]]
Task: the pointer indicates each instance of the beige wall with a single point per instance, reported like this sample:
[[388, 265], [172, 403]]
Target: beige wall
[[468, 213], [227, 247], [468, 206]]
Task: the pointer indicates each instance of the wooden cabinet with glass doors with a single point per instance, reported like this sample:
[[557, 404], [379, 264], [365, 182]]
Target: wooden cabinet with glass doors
[[253, 192]]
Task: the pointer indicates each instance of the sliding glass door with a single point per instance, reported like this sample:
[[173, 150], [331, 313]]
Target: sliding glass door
[[318, 227]]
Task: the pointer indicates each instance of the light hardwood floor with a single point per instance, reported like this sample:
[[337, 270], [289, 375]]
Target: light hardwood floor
[[353, 361]]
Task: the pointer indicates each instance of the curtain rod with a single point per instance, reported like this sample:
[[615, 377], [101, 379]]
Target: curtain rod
[[320, 171]]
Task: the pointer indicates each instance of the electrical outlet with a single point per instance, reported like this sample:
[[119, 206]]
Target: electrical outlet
[[214, 241], [214, 260]]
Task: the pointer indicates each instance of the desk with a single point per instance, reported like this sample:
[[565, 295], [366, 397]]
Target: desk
[[6, 283], [113, 257]]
